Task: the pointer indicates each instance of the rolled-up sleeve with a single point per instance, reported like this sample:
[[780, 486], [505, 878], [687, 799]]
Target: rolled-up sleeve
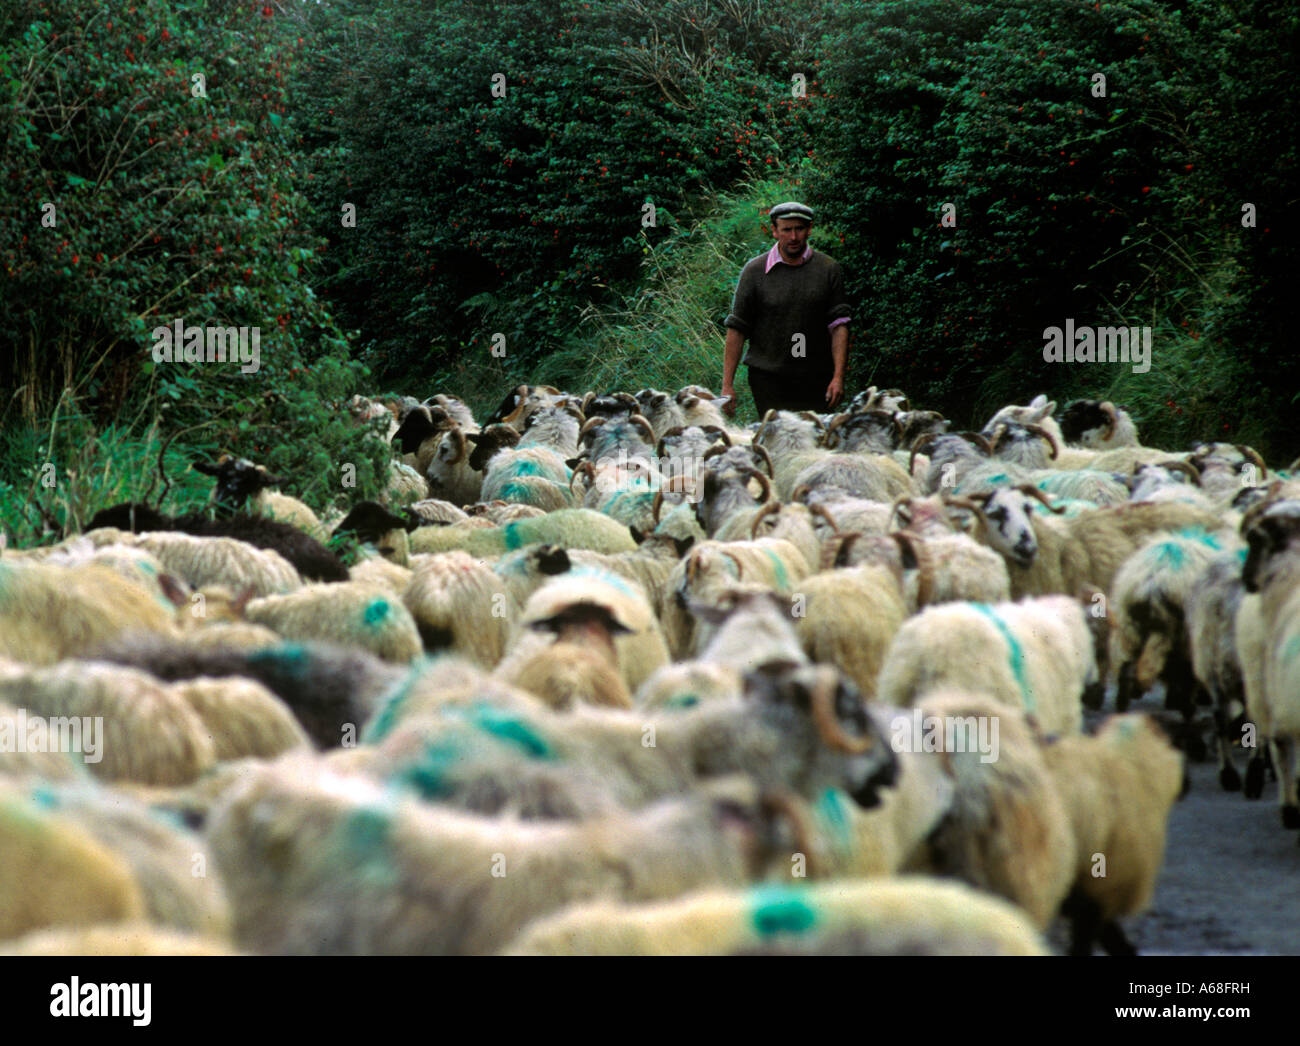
[[839, 312], [743, 311]]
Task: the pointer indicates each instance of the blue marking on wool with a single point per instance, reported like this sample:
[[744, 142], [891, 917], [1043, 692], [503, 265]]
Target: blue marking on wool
[[514, 535], [524, 467], [1292, 648], [1170, 554], [831, 808], [683, 701], [45, 798], [427, 776], [510, 728], [780, 909], [291, 658], [376, 612], [392, 705], [1241, 556], [608, 578], [1200, 535], [779, 575], [1015, 655]]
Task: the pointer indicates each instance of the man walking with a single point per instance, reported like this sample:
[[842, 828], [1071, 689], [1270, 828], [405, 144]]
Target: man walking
[[790, 305]]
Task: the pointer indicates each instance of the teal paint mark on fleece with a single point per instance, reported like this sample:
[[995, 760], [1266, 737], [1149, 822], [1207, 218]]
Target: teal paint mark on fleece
[[1015, 655], [779, 575], [513, 537], [376, 612], [427, 776], [1170, 554], [831, 808], [290, 658], [779, 909], [391, 707], [510, 728]]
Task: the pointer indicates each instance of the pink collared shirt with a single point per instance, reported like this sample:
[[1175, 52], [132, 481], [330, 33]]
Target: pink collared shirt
[[774, 258]]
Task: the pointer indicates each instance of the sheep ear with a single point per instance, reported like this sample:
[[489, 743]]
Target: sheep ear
[[206, 469], [173, 590], [553, 560], [637, 536], [683, 545], [573, 463]]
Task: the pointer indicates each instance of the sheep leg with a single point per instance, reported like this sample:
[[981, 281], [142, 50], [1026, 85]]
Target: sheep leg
[[1128, 686], [1284, 763], [1085, 921], [1113, 940], [1254, 786]]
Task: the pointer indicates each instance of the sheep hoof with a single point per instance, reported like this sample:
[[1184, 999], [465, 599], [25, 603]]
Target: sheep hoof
[[1230, 779], [1291, 816], [1254, 779]]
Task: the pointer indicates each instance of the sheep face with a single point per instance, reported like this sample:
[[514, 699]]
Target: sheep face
[[1085, 422], [1007, 515], [874, 430], [238, 479], [1038, 411], [418, 425], [1270, 535], [488, 442], [845, 743]]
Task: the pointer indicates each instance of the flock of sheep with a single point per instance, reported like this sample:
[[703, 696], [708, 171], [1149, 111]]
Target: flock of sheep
[[611, 675]]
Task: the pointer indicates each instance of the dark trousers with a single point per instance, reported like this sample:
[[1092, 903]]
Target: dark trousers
[[789, 390]]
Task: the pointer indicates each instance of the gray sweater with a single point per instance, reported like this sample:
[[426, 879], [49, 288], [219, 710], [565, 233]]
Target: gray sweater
[[770, 308]]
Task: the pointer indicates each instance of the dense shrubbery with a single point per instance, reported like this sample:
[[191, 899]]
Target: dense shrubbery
[[479, 214], [1115, 209], [167, 206]]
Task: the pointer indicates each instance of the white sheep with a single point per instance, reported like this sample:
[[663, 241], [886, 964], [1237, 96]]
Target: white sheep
[[1036, 655], [368, 616]]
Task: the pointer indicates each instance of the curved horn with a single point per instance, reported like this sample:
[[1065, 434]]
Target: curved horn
[[920, 445], [979, 441], [786, 805], [712, 452], [1252, 514], [639, 421], [800, 492], [768, 509], [1177, 465], [821, 698], [1252, 455], [587, 469], [893, 509], [824, 512], [843, 549], [676, 430], [1112, 418], [1038, 430], [591, 423], [1033, 492], [767, 458], [835, 424], [764, 482], [717, 432], [909, 543], [461, 445], [995, 441], [812, 416], [966, 502]]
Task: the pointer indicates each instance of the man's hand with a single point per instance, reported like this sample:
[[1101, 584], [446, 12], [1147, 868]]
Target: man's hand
[[835, 391], [729, 408]]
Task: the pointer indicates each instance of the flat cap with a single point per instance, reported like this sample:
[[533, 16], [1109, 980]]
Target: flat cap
[[792, 209]]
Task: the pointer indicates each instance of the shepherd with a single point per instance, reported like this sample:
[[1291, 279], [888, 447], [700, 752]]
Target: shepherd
[[790, 305]]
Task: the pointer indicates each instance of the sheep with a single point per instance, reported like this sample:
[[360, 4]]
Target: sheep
[[28, 750], [373, 524], [580, 665], [951, 457], [873, 430], [571, 528], [876, 477], [701, 407], [203, 562], [238, 480], [1047, 554], [312, 862], [1225, 468], [848, 619], [1098, 425], [1210, 612], [331, 690], [843, 512], [872, 398], [432, 510], [1036, 655], [308, 556], [522, 401], [55, 873], [1028, 446], [449, 469], [686, 684], [723, 498], [713, 565], [1100, 488], [420, 433], [162, 855], [487, 514], [637, 647], [146, 731], [243, 717], [908, 916], [1007, 829], [458, 603], [1160, 482], [1039, 412], [1268, 639], [456, 410], [114, 939], [348, 612], [1148, 631], [48, 613], [404, 484], [796, 728], [661, 410], [1117, 789]]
